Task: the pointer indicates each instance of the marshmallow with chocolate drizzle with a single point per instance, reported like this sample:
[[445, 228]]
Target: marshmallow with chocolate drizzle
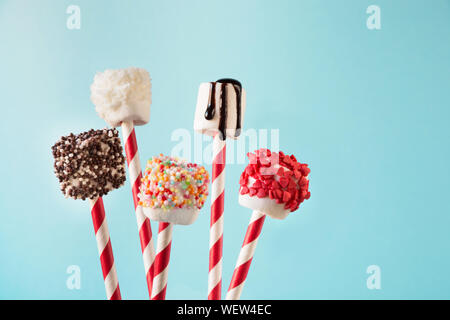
[[220, 108]]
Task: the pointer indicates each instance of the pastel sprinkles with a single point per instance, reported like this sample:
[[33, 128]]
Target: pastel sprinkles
[[170, 183]]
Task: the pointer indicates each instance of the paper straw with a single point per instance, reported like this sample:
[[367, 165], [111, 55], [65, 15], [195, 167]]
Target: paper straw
[[246, 255], [216, 226], [105, 249], [135, 175], [160, 268]]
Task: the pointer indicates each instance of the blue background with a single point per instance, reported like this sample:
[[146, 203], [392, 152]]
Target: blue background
[[367, 109]]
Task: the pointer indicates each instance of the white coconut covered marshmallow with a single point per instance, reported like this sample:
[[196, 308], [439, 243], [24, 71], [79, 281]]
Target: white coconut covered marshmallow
[[122, 95]]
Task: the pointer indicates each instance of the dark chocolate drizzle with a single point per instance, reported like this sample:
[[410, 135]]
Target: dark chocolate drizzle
[[223, 112], [210, 111], [209, 114]]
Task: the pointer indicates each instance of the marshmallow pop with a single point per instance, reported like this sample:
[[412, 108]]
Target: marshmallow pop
[[273, 184], [172, 192], [219, 113], [122, 98], [88, 166]]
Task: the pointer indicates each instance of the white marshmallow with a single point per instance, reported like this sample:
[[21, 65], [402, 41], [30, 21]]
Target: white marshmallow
[[211, 127], [264, 205], [176, 216], [122, 95]]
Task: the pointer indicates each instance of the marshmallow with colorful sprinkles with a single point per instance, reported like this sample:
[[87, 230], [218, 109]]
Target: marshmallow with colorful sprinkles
[[173, 190]]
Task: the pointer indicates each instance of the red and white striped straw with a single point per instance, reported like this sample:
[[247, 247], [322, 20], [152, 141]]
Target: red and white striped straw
[[216, 227], [105, 249], [160, 269], [246, 255], [135, 176]]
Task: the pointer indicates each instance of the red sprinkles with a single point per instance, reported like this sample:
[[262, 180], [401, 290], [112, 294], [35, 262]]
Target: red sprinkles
[[277, 176]]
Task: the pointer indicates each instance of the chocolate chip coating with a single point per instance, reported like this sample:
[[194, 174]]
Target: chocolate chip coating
[[90, 164]]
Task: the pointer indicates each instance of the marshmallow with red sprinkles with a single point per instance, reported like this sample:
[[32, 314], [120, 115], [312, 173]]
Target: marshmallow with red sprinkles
[[274, 183], [173, 190]]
